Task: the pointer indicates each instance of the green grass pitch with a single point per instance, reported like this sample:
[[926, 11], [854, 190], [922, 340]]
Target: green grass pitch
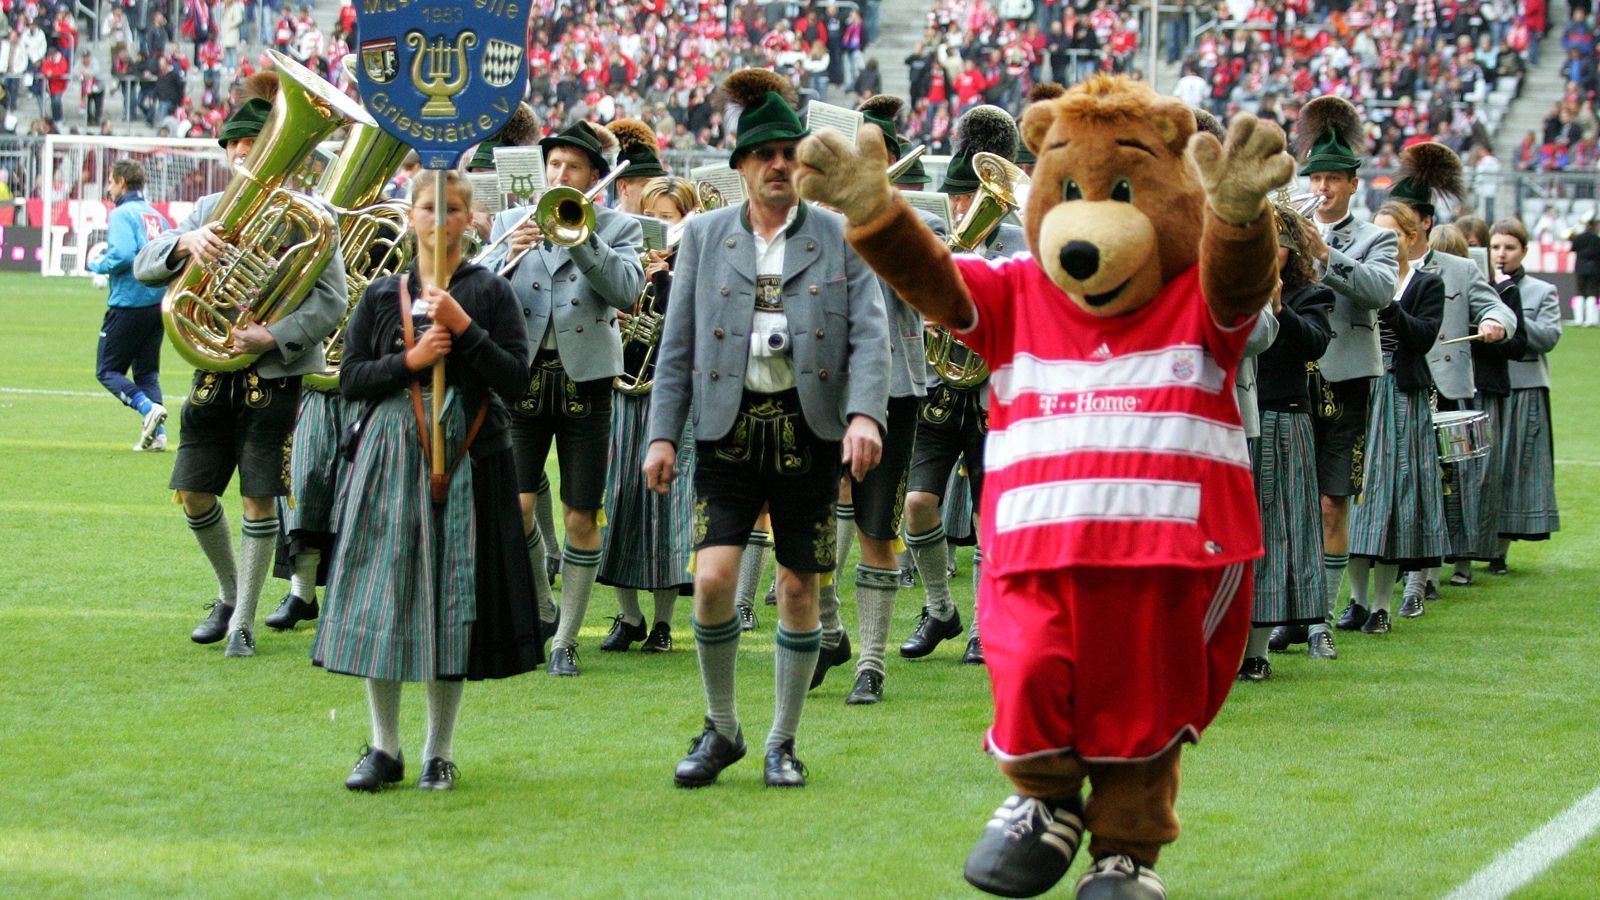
[[136, 763]]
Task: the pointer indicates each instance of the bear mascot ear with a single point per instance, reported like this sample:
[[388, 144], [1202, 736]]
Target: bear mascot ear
[[1036, 122], [1174, 121]]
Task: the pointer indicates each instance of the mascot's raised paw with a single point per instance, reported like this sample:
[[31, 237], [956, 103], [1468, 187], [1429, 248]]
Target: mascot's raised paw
[[1238, 175], [852, 180]]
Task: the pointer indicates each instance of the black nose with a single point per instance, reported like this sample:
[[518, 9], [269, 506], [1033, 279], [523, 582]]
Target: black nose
[[1081, 259]]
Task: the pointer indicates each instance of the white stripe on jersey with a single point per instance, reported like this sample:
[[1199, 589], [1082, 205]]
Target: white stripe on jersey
[[1180, 365], [1174, 433], [1108, 499]]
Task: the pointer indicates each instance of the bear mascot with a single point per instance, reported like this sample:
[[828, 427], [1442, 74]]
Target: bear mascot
[[1120, 529]]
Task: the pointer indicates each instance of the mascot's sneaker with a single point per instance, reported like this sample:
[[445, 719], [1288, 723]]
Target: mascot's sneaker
[[1120, 878], [1027, 846]]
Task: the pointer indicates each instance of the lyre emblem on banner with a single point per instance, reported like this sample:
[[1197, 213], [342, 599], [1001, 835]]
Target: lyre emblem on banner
[[446, 68]]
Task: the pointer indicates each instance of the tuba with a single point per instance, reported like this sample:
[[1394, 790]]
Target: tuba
[[1002, 187], [372, 232], [278, 241]]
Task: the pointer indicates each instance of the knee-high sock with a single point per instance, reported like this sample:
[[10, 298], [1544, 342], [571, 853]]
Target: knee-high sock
[[211, 530], [1414, 581], [875, 589], [304, 582], [1333, 567], [1464, 567], [1503, 547], [1359, 567], [578, 568], [627, 605], [545, 516], [752, 562], [666, 600], [718, 649], [932, 556], [1256, 647], [796, 660], [844, 533], [1384, 577], [977, 579], [257, 541], [541, 584], [383, 701], [444, 701], [828, 614]]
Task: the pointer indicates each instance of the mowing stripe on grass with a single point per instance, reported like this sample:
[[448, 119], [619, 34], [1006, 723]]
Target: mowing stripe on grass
[[49, 393], [1533, 854], [1578, 462]]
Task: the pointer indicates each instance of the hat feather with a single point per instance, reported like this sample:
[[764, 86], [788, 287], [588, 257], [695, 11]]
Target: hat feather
[[1434, 166], [631, 133], [748, 87], [522, 129], [987, 129], [1326, 114], [262, 85], [884, 106]]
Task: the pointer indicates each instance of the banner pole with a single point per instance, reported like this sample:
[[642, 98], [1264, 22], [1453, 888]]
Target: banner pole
[[441, 280]]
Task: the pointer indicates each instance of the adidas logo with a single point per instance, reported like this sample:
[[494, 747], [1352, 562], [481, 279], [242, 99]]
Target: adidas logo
[[1101, 352]]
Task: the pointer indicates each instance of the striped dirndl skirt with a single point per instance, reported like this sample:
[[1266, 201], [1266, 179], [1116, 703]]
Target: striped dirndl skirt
[[1473, 487], [649, 536], [1399, 517], [1528, 505], [957, 509], [315, 466], [400, 599], [1289, 579]]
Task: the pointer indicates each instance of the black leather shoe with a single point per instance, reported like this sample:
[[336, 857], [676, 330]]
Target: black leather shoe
[[782, 769], [709, 754], [827, 659], [930, 633], [908, 579], [1322, 646], [1353, 617], [1430, 590], [868, 689], [1027, 846], [374, 770], [438, 774], [1377, 623], [1497, 566], [622, 635], [772, 595], [291, 612], [552, 568], [215, 626], [659, 640], [1255, 668], [950, 570], [547, 630], [974, 654], [1412, 607], [1285, 636], [747, 618], [563, 661], [241, 643]]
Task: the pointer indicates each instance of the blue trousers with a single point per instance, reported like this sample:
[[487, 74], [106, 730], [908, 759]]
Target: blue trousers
[[130, 338]]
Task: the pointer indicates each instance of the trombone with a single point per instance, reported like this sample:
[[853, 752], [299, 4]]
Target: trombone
[[564, 214]]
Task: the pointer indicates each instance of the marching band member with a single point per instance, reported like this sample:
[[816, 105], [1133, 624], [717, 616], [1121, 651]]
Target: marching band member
[[570, 297], [777, 340], [1357, 261], [1528, 511], [1429, 170], [874, 506], [646, 545], [130, 335], [425, 591], [241, 419], [1398, 525]]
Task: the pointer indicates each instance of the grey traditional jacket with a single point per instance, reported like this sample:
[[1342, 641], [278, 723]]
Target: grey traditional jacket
[[1262, 334], [1362, 270], [1469, 299], [299, 334], [908, 355], [1541, 317], [837, 325], [582, 287]]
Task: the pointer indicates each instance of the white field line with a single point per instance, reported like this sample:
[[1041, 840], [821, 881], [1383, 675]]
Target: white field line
[[49, 393], [1525, 861]]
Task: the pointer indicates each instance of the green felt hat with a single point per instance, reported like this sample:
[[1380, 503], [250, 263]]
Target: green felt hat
[[890, 142], [483, 157], [246, 121], [642, 163], [1330, 154], [1025, 156], [959, 176], [772, 119], [579, 136], [1414, 194]]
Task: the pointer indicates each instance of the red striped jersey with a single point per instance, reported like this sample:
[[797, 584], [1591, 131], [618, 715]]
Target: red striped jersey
[[1113, 441]]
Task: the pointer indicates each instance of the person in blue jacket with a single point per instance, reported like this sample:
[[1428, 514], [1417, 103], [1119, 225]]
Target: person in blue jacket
[[130, 337]]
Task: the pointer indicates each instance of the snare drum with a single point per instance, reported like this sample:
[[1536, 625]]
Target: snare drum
[[1462, 435]]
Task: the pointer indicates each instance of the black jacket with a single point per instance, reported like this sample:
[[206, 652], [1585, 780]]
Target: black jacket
[[1414, 320], [1586, 247], [1303, 335], [487, 363], [1489, 372]]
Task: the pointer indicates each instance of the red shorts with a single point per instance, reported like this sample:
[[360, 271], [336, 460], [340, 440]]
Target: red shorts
[[1111, 663]]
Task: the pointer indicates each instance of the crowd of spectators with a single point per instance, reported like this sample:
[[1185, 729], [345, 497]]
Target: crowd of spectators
[[1567, 141]]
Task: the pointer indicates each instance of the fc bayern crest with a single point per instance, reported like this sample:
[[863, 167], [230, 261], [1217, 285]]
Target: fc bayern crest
[[442, 75]]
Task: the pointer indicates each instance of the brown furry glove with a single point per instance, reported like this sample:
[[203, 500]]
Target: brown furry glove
[[853, 180], [1237, 175]]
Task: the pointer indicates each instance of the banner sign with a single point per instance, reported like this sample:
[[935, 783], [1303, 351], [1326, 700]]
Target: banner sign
[[442, 75]]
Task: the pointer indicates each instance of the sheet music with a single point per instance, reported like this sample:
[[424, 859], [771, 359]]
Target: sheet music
[[826, 115], [655, 232], [724, 179], [521, 172], [931, 201], [1480, 256], [486, 191]]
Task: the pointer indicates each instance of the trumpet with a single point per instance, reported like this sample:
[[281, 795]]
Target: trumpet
[[905, 162], [1002, 187], [565, 215]]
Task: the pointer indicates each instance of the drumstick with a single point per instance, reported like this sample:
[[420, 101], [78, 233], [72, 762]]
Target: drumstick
[[1470, 337]]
